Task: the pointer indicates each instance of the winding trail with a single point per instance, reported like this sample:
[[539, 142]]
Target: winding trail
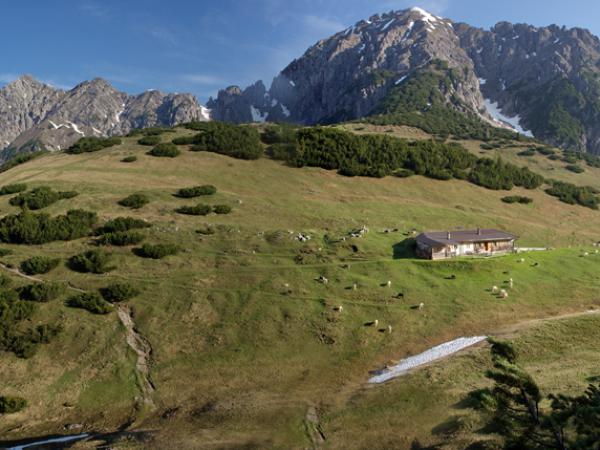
[[143, 350], [135, 340]]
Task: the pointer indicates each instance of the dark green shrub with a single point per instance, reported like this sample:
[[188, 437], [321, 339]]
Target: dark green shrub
[[38, 265], [486, 147], [554, 157], [134, 201], [11, 405], [91, 261], [157, 251], [196, 191], [135, 132], [517, 199], [222, 209], [528, 152], [5, 252], [13, 188], [20, 159], [280, 134], [129, 159], [165, 150], [92, 144], [573, 195], [120, 224], [184, 140], [546, 151], [90, 301], [119, 292], [121, 238], [149, 140], [197, 210], [40, 198], [29, 228], [41, 292], [403, 173], [574, 168], [237, 141]]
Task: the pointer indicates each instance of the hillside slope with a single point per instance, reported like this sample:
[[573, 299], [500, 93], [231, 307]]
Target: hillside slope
[[244, 339]]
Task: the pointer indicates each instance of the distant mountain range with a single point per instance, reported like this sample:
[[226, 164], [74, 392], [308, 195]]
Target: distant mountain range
[[538, 81], [405, 67], [35, 116]]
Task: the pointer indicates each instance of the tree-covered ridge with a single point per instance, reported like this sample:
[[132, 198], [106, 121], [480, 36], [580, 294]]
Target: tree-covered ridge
[[426, 100]]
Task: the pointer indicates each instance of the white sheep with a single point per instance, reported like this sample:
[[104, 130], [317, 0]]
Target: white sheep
[[389, 328], [339, 308], [510, 283], [421, 305], [376, 323], [354, 287], [503, 294], [521, 260], [494, 289], [389, 284]]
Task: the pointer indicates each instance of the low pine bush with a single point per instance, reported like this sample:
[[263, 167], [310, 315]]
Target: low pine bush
[[222, 209], [38, 265], [121, 238], [156, 251], [41, 292], [129, 159], [134, 201], [13, 188], [119, 292], [575, 168], [40, 198], [92, 144], [149, 140], [123, 224], [196, 191], [90, 301], [165, 150], [11, 405], [197, 210], [91, 261], [29, 228], [184, 140], [517, 199]]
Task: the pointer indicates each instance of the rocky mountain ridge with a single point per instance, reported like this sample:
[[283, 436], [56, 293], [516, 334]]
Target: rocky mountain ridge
[[538, 81], [35, 116]]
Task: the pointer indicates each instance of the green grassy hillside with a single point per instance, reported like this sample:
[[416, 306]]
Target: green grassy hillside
[[245, 341]]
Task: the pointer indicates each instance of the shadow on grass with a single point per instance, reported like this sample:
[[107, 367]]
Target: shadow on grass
[[405, 249]]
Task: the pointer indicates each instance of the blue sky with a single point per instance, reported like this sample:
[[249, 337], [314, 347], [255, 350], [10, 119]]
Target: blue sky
[[203, 45]]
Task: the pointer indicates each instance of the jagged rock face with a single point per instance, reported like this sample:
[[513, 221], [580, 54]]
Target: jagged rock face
[[24, 103], [542, 78], [346, 76], [522, 66], [35, 116]]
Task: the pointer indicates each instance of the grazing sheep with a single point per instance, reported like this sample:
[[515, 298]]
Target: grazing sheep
[[339, 308], [389, 329], [355, 287], [376, 323], [389, 284], [421, 305], [494, 289], [323, 280], [521, 260], [586, 254], [503, 294], [510, 283]]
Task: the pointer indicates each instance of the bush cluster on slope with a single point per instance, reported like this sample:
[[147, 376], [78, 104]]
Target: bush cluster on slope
[[29, 228], [40, 198], [39, 265], [90, 301], [134, 201], [92, 144], [91, 261]]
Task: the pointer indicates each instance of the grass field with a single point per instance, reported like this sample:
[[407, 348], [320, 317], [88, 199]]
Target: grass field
[[245, 340]]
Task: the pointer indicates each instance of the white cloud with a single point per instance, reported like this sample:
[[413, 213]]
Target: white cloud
[[198, 78], [93, 8]]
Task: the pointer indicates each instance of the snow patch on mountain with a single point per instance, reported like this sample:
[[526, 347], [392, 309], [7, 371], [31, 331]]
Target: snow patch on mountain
[[513, 123]]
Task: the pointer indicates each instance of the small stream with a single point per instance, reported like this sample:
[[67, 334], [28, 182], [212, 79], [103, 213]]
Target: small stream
[[57, 442]]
